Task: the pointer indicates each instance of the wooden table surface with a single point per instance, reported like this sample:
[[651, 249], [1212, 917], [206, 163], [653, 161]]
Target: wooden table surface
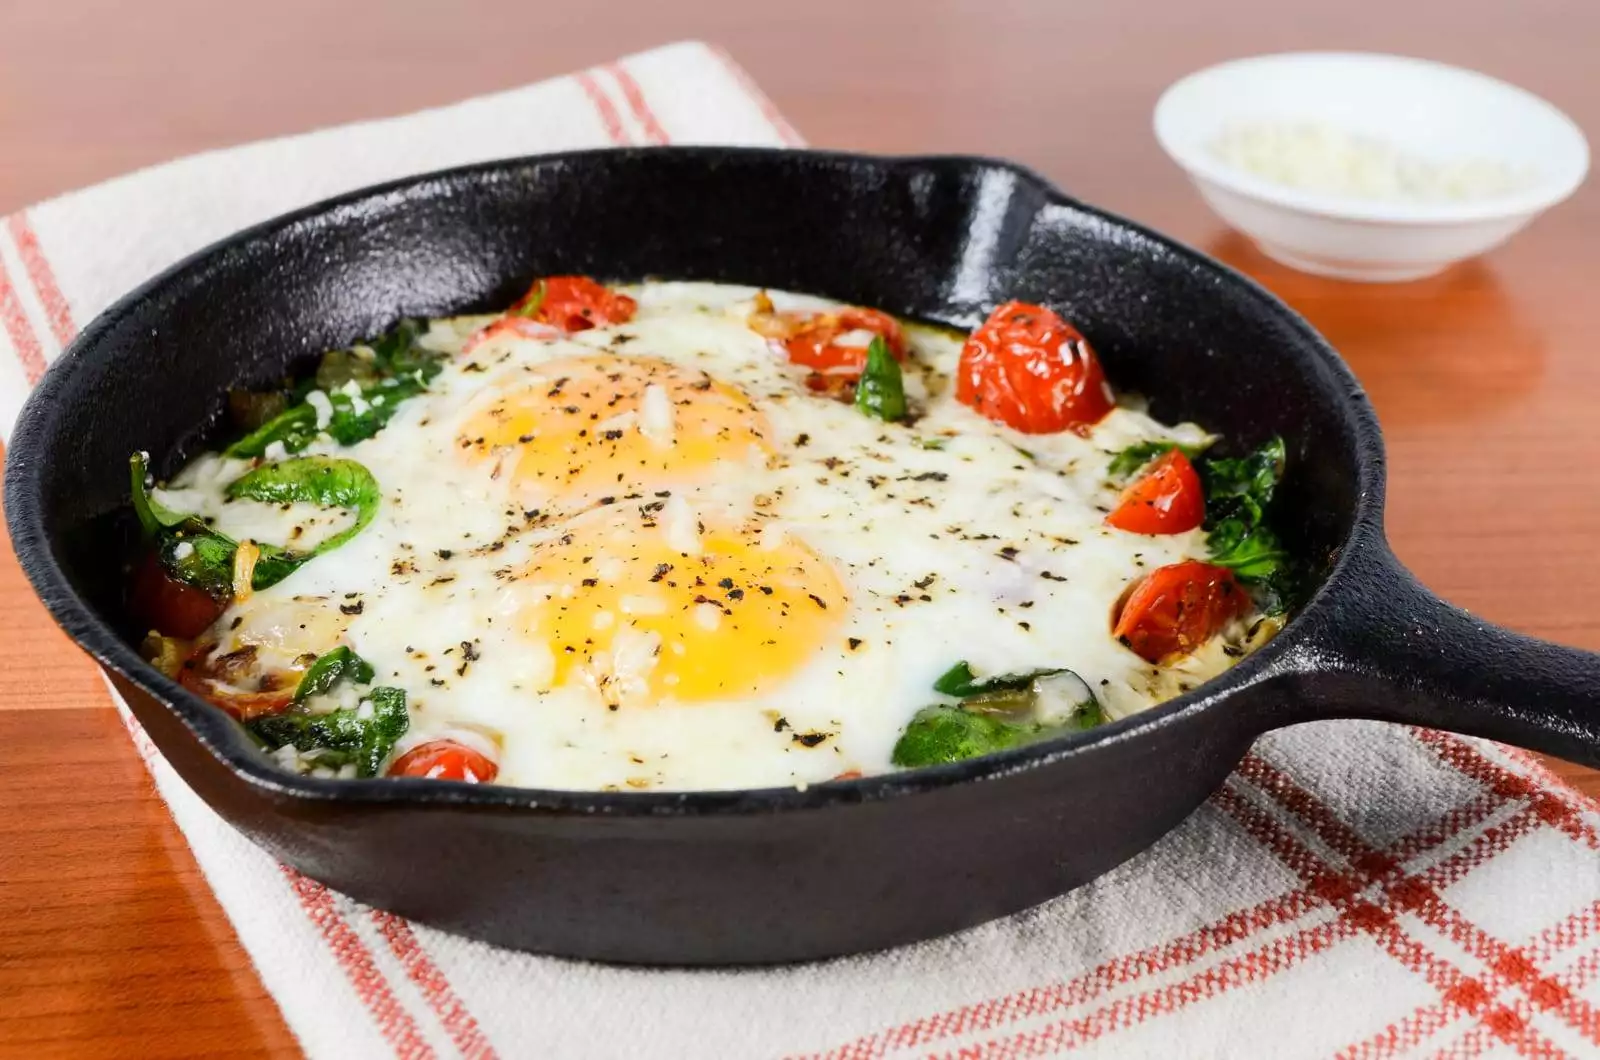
[[1486, 378]]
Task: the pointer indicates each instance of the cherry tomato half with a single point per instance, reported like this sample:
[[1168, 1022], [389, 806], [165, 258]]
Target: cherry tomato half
[[815, 344], [445, 760], [574, 303], [1029, 369], [1177, 608], [1166, 499], [163, 603]]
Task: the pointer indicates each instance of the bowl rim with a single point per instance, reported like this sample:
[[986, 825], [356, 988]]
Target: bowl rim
[[223, 742], [1201, 167]]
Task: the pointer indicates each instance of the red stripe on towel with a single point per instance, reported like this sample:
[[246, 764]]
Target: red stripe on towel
[[638, 104], [29, 353], [391, 1017], [43, 277], [610, 117], [453, 1015]]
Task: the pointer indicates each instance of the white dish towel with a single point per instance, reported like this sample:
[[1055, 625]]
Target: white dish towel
[[1355, 890]]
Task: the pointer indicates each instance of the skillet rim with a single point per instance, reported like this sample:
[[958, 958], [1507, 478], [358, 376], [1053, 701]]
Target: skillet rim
[[226, 741]]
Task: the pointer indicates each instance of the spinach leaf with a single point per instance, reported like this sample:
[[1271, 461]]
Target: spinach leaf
[[186, 547], [328, 482], [342, 736], [1251, 554], [881, 391], [354, 422], [1238, 493], [959, 681], [1241, 488], [197, 555], [295, 427], [330, 668], [275, 564], [1137, 455], [206, 563], [398, 368], [401, 355], [949, 734], [153, 515], [995, 714]]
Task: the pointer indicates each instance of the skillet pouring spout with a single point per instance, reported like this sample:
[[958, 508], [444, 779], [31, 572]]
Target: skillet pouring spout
[[1388, 649]]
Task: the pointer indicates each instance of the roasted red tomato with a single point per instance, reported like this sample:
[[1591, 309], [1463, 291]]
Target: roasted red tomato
[[236, 684], [836, 343], [1166, 498], [574, 303], [163, 603], [1029, 369], [445, 760], [832, 345], [1177, 608], [528, 329]]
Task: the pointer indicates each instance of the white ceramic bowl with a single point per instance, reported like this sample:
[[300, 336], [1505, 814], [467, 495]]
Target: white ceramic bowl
[[1440, 113]]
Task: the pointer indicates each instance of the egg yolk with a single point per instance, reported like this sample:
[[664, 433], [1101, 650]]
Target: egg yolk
[[629, 611], [585, 427]]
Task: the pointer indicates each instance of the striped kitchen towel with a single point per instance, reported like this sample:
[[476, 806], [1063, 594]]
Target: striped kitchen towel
[[1355, 890]]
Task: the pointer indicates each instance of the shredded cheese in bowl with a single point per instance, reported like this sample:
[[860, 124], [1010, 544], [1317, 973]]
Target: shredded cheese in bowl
[[1316, 156]]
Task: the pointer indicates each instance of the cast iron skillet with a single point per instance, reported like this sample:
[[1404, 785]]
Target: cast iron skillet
[[781, 874]]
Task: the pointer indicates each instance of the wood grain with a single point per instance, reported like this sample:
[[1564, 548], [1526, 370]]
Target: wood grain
[[1486, 378]]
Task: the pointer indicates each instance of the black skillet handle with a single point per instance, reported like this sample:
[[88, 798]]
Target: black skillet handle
[[1389, 649]]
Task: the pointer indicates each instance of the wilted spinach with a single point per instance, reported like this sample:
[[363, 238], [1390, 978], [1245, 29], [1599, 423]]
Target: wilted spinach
[[388, 370], [994, 714], [881, 390], [343, 736]]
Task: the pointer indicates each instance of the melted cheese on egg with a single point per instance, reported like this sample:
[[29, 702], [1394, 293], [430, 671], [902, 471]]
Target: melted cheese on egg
[[647, 556]]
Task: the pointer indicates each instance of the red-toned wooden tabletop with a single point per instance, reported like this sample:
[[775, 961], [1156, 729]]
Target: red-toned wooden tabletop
[[1486, 378]]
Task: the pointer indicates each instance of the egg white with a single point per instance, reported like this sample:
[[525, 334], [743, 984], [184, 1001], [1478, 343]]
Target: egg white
[[955, 539]]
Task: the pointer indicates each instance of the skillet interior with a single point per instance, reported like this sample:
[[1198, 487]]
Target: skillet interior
[[698, 878]]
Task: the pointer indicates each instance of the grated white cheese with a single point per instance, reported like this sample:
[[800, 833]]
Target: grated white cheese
[[643, 605], [1316, 156], [681, 526], [656, 415], [183, 551], [319, 401]]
